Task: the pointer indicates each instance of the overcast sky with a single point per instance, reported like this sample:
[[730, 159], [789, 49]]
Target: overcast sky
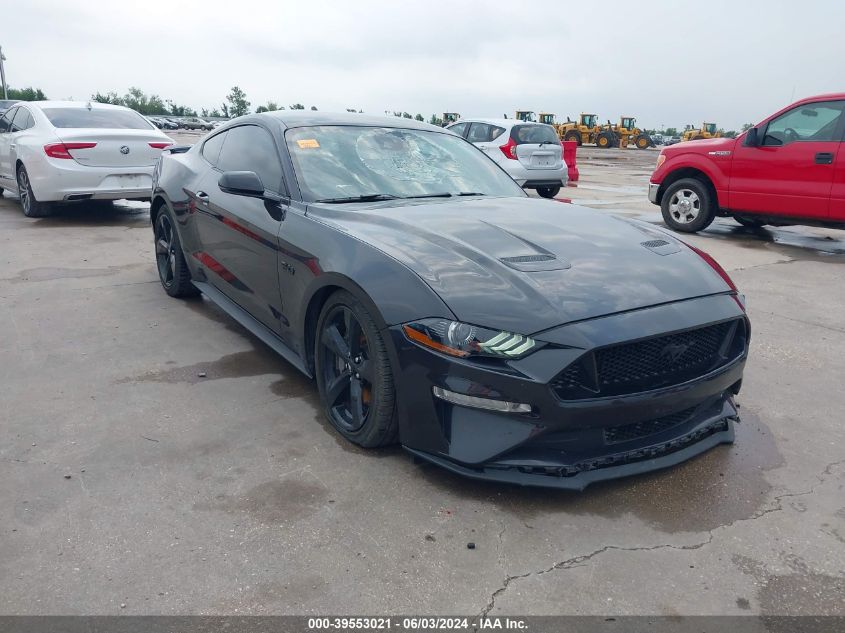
[[664, 62]]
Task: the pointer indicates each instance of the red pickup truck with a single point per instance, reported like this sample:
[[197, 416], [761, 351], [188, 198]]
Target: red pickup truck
[[788, 169]]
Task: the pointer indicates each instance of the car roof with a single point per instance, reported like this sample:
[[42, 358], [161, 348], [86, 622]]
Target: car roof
[[76, 104], [307, 118]]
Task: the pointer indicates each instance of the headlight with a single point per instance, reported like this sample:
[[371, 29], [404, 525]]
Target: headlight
[[462, 340]]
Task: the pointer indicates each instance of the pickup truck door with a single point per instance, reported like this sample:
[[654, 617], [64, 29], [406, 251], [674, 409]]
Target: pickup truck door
[[791, 172], [837, 192]]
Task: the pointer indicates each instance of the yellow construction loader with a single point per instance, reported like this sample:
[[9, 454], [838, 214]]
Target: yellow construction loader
[[450, 117], [628, 132], [707, 130], [587, 130], [525, 115]]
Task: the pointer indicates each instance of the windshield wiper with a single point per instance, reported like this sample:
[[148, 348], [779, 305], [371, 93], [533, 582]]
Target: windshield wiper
[[367, 197], [446, 194]]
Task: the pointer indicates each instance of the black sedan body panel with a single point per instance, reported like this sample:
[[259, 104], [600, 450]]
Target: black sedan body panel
[[591, 289]]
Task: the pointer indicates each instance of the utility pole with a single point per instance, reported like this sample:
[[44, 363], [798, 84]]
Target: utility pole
[[3, 74]]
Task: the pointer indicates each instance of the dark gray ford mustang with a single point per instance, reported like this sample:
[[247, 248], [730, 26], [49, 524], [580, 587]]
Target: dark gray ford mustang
[[499, 336]]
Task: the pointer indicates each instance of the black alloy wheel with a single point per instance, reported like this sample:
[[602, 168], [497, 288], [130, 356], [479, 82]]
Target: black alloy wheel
[[353, 373]]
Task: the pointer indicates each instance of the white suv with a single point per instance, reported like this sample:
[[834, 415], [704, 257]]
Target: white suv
[[530, 152]]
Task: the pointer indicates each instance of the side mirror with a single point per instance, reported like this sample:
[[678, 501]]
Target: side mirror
[[241, 183], [752, 138]]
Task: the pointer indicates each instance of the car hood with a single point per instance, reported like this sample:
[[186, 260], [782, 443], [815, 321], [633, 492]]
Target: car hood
[[571, 263]]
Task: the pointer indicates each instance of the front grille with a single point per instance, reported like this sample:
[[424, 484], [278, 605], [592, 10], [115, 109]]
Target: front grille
[[628, 432], [652, 363]]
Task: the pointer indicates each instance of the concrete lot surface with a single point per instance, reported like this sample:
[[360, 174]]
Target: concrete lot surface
[[130, 484]]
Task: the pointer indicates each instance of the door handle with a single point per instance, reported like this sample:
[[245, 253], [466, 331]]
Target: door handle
[[202, 196], [824, 158]]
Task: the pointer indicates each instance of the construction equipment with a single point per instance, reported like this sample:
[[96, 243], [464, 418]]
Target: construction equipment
[[450, 117], [546, 117], [628, 132], [525, 115], [587, 130], [707, 130]]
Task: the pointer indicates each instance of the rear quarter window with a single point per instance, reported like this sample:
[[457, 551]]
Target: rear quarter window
[[102, 118]]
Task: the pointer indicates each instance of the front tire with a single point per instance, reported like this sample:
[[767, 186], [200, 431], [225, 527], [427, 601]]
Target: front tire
[[548, 192], [603, 141], [353, 373], [642, 142], [688, 206], [573, 136], [173, 272], [32, 208]]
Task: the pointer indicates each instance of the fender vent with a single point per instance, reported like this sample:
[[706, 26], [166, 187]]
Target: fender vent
[[654, 243], [526, 259]]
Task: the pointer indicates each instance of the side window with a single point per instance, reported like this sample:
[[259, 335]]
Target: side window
[[6, 120], [811, 122], [459, 128], [251, 148], [478, 133], [23, 120], [211, 148]]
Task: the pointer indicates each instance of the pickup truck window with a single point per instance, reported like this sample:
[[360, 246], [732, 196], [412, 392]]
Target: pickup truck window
[[812, 122]]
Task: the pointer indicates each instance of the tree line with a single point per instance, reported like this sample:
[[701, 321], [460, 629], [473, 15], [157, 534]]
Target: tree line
[[237, 104]]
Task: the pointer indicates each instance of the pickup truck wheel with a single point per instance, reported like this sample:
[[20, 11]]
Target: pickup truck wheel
[[749, 222], [687, 206]]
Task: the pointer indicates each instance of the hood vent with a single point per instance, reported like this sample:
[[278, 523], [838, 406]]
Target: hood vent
[[535, 263], [661, 247]]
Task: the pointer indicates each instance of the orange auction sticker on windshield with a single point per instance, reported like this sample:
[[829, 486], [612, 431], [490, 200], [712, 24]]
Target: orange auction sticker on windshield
[[308, 143]]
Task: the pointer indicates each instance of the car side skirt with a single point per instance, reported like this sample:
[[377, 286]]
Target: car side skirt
[[267, 336]]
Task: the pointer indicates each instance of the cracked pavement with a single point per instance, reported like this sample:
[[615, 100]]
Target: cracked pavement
[[227, 493]]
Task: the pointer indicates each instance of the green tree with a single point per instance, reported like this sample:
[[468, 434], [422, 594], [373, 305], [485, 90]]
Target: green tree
[[179, 110], [746, 126], [297, 106], [140, 102], [238, 104], [351, 110], [314, 108], [671, 131], [419, 117], [26, 94], [435, 120], [109, 97]]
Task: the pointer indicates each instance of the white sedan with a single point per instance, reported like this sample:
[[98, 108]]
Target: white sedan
[[53, 151]]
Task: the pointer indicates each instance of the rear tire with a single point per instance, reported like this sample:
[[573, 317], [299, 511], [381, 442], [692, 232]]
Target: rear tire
[[642, 142], [572, 136], [604, 141], [173, 271], [688, 206], [548, 192], [353, 373], [32, 208]]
